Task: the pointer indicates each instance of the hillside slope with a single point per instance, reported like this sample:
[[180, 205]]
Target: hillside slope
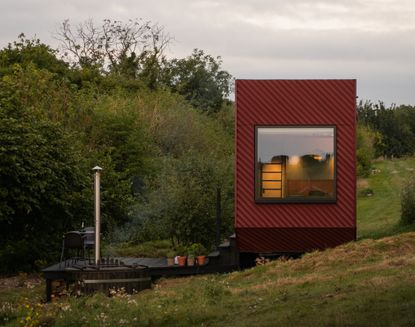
[[364, 283]]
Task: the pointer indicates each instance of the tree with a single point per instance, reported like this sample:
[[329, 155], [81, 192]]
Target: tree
[[200, 79], [114, 47], [395, 125], [26, 52], [367, 140], [42, 185]]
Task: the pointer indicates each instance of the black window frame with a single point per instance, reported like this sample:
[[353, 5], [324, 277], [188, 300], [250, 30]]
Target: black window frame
[[258, 199]]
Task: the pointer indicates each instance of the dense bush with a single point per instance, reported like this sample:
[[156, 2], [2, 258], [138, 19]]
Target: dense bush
[[192, 157], [42, 190]]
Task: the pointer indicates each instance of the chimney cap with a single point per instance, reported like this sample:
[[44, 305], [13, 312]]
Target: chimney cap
[[97, 168]]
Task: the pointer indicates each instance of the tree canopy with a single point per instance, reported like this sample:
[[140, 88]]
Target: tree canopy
[[200, 79]]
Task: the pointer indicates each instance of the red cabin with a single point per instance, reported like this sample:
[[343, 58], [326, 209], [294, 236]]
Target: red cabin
[[295, 165]]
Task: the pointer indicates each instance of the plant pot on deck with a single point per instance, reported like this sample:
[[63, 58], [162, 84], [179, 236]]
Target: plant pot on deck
[[182, 260], [201, 260], [170, 258], [190, 260]]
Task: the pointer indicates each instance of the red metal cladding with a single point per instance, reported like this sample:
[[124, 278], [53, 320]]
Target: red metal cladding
[[295, 227], [292, 239]]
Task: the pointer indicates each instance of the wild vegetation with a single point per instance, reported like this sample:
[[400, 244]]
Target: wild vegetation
[[384, 132], [165, 145]]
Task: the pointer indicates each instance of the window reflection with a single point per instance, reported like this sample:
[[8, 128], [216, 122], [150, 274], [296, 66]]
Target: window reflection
[[295, 163]]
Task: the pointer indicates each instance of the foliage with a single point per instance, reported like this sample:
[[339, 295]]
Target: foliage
[[181, 250], [42, 188], [151, 249], [200, 79], [395, 125], [26, 52], [365, 153], [193, 158], [162, 160], [408, 202], [197, 249], [182, 201]]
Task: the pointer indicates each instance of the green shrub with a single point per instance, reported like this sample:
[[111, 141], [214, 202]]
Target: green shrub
[[214, 291], [157, 248], [408, 202], [366, 139]]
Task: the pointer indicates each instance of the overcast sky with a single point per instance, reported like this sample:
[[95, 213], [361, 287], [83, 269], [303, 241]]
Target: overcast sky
[[372, 41]]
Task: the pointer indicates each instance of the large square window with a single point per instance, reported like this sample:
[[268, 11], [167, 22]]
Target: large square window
[[295, 164]]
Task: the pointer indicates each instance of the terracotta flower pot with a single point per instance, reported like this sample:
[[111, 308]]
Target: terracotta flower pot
[[201, 260], [182, 261], [170, 261]]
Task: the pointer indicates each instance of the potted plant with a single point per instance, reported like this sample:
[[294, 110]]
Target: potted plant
[[191, 256], [181, 252], [200, 253], [170, 257]]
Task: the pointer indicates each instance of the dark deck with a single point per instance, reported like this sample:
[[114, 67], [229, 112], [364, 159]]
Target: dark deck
[[135, 274], [132, 274], [157, 267]]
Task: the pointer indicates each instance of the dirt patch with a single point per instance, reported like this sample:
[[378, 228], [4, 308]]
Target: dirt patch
[[22, 281], [173, 282], [9, 282], [362, 183]]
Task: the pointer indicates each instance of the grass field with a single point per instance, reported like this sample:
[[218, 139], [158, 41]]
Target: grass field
[[364, 283], [379, 215]]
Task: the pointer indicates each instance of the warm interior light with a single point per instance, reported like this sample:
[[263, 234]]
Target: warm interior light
[[294, 160], [317, 157], [272, 180]]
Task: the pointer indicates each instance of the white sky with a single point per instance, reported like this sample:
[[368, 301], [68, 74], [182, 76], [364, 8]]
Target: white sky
[[372, 41]]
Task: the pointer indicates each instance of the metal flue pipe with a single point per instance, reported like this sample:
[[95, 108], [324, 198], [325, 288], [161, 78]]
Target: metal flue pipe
[[97, 187], [218, 216]]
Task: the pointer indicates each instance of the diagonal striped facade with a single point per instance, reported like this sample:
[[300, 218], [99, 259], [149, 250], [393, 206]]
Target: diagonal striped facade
[[295, 227]]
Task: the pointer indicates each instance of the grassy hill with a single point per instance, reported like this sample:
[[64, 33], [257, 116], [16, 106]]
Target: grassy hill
[[364, 283]]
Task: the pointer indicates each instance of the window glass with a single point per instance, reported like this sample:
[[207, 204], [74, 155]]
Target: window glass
[[295, 163]]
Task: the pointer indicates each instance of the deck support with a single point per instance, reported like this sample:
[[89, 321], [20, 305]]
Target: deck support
[[48, 290]]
